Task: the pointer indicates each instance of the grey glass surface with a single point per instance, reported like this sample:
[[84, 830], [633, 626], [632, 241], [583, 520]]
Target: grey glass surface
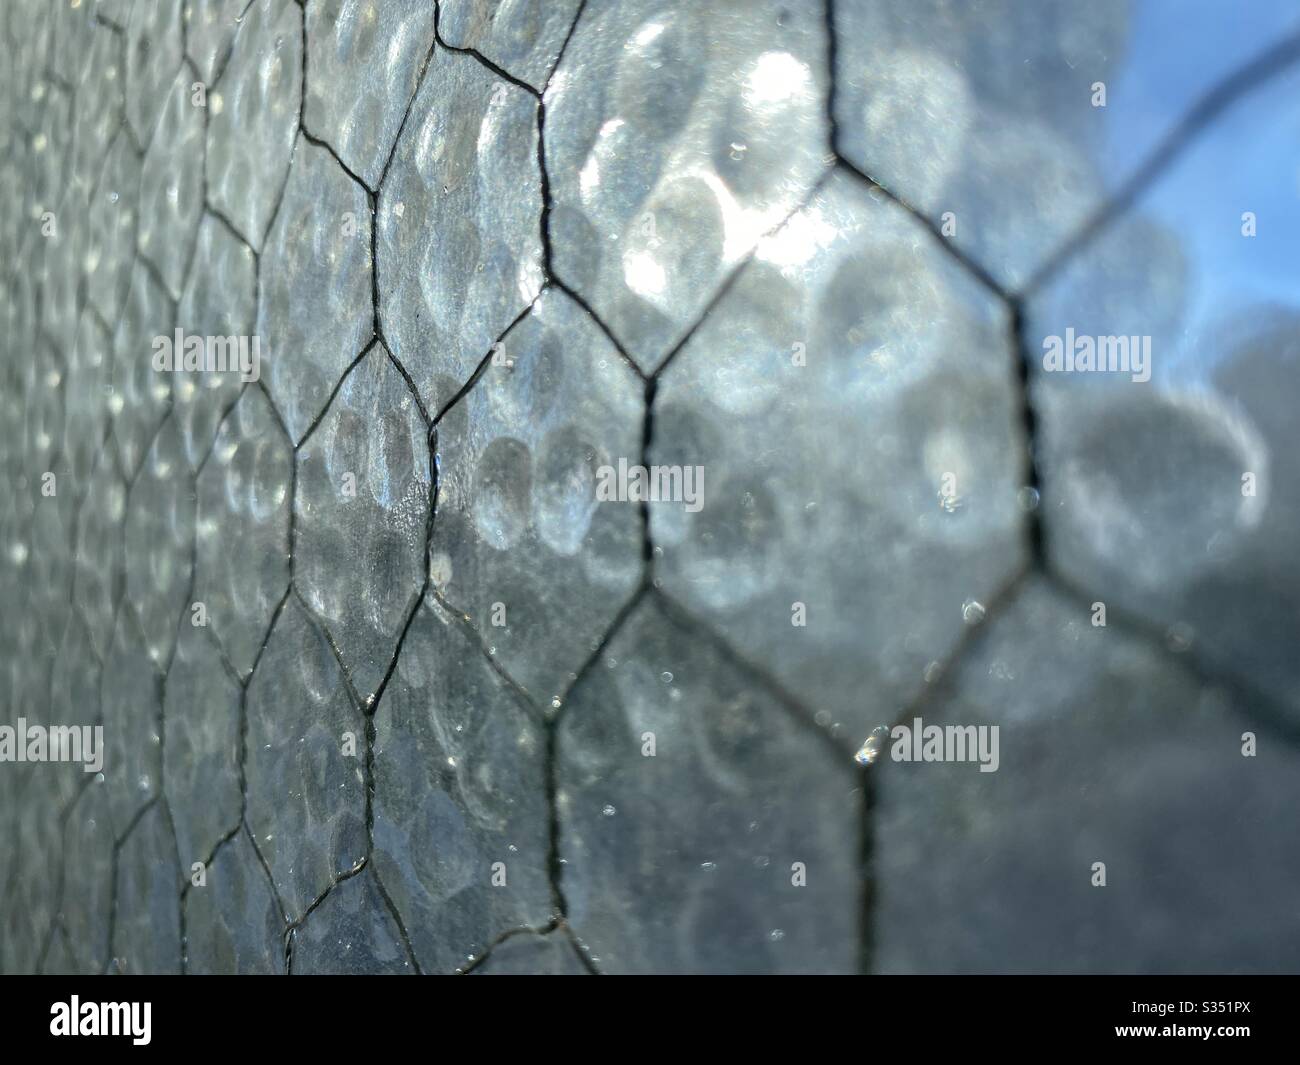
[[201, 706], [147, 928], [353, 932], [379, 51], [529, 954], [131, 703], [306, 808], [461, 824], [140, 397], [523, 37], [219, 300], [233, 922], [253, 110], [849, 316], [520, 544], [111, 226], [361, 517], [88, 895], [171, 184], [159, 538], [459, 246], [153, 54], [315, 271], [367, 638], [241, 548], [677, 136], [686, 859], [1134, 764], [210, 28]]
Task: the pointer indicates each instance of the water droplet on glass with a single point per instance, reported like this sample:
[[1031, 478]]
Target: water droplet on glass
[[1027, 497], [972, 611], [1179, 637], [999, 670], [608, 810], [869, 752], [666, 677], [776, 935]]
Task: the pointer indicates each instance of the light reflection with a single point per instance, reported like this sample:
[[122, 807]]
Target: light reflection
[[776, 78]]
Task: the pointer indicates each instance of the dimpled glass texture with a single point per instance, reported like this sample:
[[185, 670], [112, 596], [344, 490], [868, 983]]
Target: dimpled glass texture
[[506, 477]]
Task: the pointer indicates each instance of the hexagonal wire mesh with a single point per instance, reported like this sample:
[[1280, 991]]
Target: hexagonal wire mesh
[[514, 487]]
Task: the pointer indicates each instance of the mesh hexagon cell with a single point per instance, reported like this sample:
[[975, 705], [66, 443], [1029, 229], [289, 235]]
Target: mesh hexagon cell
[[648, 409]]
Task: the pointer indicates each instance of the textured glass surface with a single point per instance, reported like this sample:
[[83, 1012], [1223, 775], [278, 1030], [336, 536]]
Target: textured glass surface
[[159, 539], [899, 339], [210, 27], [459, 789], [984, 109], [520, 543], [314, 272], [171, 185], [459, 248], [253, 111], [653, 404], [1145, 481], [523, 37], [201, 761], [685, 860], [147, 925], [305, 804], [88, 897], [220, 299], [362, 517], [378, 48], [528, 954], [352, 932], [153, 52], [130, 697], [241, 544], [679, 134], [233, 922], [999, 854]]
